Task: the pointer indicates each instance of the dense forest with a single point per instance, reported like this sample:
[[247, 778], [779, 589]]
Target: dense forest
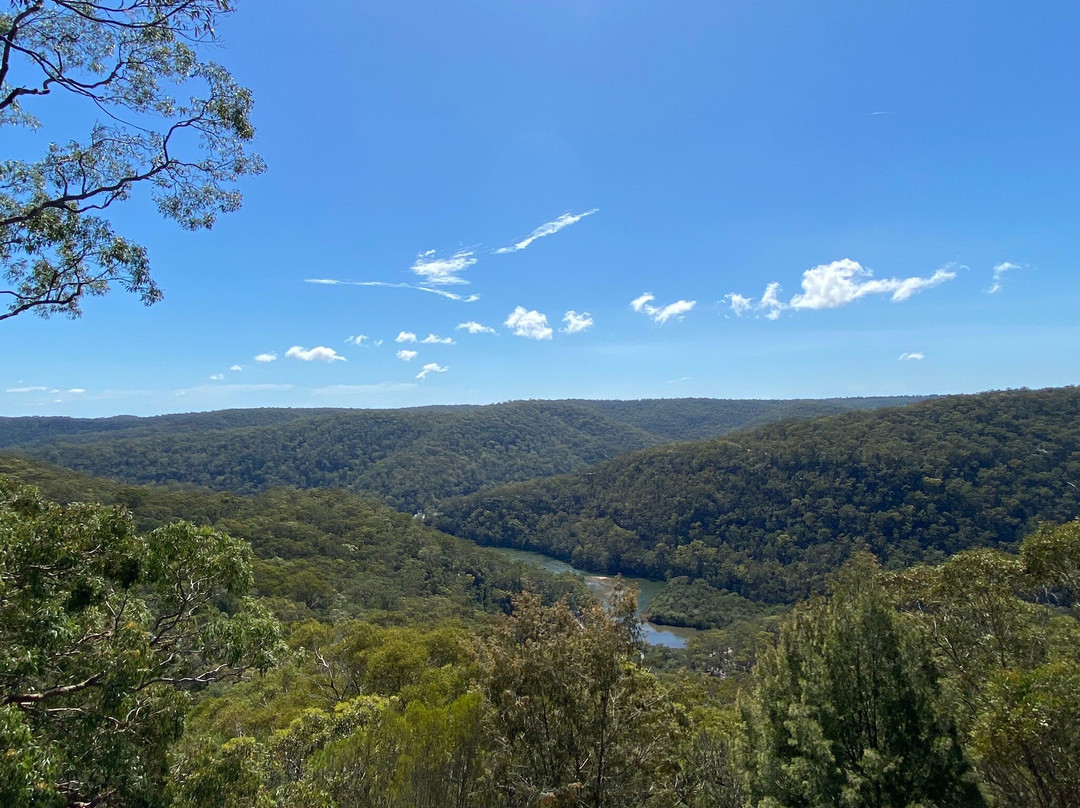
[[412, 458], [137, 672], [769, 513], [323, 553]]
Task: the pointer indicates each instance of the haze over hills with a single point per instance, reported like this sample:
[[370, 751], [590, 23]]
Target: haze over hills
[[412, 458], [769, 513]]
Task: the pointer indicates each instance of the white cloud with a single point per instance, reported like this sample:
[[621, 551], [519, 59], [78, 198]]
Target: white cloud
[[679, 380], [77, 390], [909, 355], [661, 314], [26, 389], [431, 367], [829, 286], [547, 229], [739, 304], [320, 353], [360, 340], [999, 274], [388, 285], [263, 358], [217, 377], [770, 301], [442, 271], [407, 356], [529, 324], [474, 327], [676, 309], [576, 323], [435, 339], [405, 336], [236, 368]]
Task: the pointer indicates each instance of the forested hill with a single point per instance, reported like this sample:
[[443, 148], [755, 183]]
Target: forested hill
[[323, 554], [410, 457], [769, 513]]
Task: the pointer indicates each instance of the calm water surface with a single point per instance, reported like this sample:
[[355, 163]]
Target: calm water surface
[[601, 585]]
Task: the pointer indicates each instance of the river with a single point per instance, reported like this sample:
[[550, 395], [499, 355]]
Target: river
[[601, 585]]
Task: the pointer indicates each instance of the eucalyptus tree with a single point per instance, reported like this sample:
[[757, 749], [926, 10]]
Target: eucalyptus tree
[[106, 80], [104, 636]]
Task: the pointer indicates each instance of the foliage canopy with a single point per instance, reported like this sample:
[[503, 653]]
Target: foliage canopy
[[119, 62]]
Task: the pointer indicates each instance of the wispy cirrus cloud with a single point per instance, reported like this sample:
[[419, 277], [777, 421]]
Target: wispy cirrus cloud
[[547, 229], [999, 275], [34, 389], [319, 353], [529, 324], [661, 314], [363, 341], [445, 270], [830, 286], [386, 284], [431, 367], [908, 356], [474, 327], [264, 358], [407, 355], [576, 323]]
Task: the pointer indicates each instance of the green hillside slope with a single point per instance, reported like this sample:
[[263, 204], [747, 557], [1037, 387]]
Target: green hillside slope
[[323, 554], [769, 512], [412, 458]]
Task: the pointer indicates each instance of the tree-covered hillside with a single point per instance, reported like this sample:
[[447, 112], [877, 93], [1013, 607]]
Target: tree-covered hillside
[[412, 458], [322, 554], [768, 513]]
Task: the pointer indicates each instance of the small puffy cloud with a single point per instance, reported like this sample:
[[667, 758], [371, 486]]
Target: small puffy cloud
[[36, 389], [405, 336], [661, 314], [263, 358], [77, 390], [770, 301], [547, 229], [236, 368], [739, 305], [474, 327], [908, 356], [576, 323], [217, 377], [528, 324], [999, 274], [442, 271], [431, 367], [435, 339], [639, 303], [319, 353], [829, 286], [406, 355]]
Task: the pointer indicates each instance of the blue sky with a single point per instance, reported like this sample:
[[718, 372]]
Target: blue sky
[[736, 200]]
